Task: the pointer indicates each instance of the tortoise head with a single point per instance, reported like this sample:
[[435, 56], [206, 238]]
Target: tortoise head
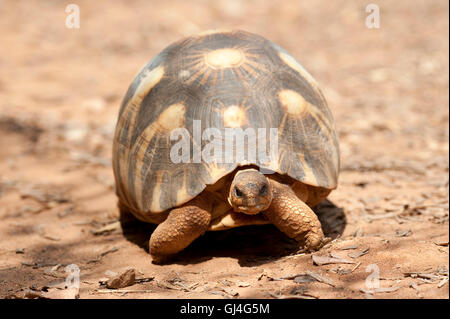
[[250, 192]]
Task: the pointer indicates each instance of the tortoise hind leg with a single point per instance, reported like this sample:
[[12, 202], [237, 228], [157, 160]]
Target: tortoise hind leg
[[181, 228], [294, 218]]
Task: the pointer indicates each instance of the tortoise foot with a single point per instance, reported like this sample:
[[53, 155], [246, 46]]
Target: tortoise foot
[[294, 218], [179, 230]]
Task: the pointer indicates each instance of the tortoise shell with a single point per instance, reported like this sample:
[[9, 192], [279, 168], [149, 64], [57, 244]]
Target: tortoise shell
[[225, 79]]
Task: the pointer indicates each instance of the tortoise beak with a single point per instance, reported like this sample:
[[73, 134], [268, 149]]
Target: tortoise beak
[[251, 209]]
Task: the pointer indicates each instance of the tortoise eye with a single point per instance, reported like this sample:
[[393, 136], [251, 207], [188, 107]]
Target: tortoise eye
[[263, 190], [237, 192]]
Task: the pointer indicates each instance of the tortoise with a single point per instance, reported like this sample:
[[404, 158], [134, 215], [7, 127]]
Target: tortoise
[[224, 81]]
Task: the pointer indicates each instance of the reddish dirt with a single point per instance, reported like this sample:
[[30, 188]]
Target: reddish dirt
[[60, 90]]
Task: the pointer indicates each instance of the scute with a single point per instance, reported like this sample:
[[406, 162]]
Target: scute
[[231, 79]]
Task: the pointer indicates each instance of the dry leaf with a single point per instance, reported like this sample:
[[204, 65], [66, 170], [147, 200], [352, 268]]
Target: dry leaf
[[123, 280], [357, 254], [320, 278], [107, 229], [380, 290], [323, 260]]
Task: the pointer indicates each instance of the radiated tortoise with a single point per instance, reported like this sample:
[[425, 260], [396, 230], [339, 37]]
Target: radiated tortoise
[[188, 130]]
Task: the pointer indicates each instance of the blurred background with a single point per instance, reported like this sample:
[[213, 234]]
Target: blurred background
[[385, 82], [61, 88]]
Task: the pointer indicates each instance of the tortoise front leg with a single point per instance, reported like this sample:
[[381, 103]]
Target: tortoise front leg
[[182, 227], [294, 218]]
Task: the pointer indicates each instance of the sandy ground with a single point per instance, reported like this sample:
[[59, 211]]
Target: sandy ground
[[60, 90]]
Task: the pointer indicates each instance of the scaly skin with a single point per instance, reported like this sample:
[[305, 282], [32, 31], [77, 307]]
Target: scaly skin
[[180, 229], [294, 218], [286, 211]]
